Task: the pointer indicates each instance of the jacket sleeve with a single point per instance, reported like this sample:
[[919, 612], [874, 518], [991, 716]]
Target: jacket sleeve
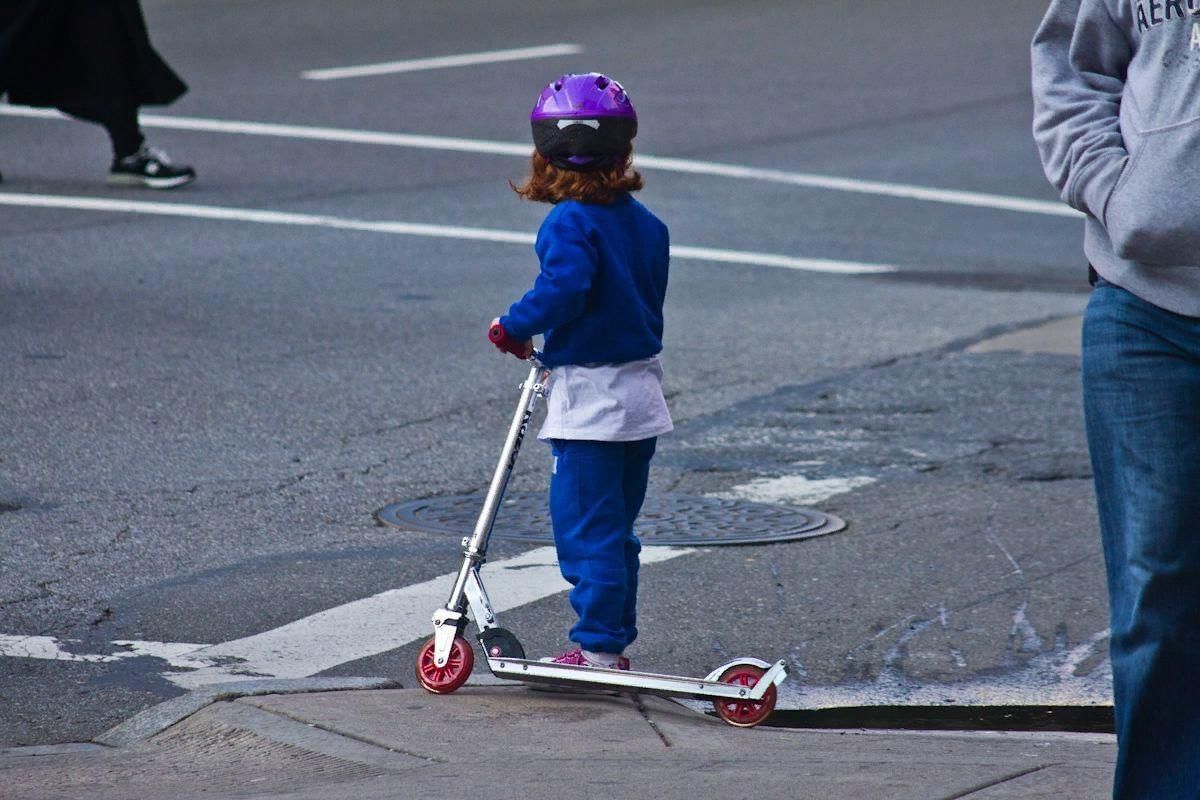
[[1080, 55], [559, 294]]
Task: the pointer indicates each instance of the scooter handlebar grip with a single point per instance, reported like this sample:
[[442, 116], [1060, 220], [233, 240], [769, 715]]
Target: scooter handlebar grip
[[506, 342]]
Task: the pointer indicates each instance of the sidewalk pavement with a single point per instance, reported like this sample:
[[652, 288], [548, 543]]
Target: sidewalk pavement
[[509, 741]]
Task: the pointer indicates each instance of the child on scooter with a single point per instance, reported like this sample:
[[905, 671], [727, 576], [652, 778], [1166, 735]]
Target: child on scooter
[[599, 301]]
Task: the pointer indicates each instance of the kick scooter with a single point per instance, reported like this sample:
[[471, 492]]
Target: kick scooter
[[742, 691]]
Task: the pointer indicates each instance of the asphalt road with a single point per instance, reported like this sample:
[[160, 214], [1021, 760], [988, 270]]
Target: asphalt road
[[198, 417]]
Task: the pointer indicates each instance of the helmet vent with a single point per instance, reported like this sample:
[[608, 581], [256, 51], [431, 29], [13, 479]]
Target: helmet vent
[[602, 82], [594, 124]]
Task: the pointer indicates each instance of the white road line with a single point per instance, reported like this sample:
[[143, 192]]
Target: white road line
[[785, 262], [898, 190], [795, 489], [487, 147], [441, 62], [259, 216], [311, 132], [51, 648], [337, 635], [374, 624]]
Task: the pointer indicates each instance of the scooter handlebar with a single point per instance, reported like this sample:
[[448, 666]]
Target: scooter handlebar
[[509, 343]]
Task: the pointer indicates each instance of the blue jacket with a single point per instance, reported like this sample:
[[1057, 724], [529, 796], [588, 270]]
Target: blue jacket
[[599, 296]]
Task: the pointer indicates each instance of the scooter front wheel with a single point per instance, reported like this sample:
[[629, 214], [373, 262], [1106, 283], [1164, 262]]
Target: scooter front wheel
[[745, 713], [447, 678]]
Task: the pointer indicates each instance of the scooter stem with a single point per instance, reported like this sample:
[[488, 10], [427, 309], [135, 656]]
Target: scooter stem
[[475, 546]]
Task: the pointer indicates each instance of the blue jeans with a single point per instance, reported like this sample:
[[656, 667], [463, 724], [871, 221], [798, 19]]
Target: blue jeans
[[1141, 392], [596, 492]]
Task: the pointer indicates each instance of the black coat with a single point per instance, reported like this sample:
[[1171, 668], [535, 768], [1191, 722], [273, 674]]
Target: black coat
[[89, 58]]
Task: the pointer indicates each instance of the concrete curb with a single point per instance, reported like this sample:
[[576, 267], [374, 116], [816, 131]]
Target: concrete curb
[[158, 718]]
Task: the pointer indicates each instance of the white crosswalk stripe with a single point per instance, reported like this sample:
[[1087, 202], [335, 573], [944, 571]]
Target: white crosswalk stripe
[[398, 228], [901, 191], [442, 62], [335, 636]]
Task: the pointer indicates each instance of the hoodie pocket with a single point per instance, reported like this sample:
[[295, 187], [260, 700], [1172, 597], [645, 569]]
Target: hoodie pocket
[[1153, 214]]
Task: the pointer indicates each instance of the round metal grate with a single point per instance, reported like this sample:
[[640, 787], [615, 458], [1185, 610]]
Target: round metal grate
[[671, 520]]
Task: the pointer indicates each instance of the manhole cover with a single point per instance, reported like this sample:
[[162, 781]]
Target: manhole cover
[[671, 520]]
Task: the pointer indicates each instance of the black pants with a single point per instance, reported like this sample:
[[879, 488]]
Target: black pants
[[125, 133]]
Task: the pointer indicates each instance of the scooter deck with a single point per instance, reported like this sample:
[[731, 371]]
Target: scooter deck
[[527, 671]]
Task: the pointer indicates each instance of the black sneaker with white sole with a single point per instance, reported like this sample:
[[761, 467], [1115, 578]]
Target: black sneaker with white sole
[[149, 167]]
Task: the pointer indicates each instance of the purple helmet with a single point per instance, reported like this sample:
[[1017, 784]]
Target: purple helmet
[[583, 122]]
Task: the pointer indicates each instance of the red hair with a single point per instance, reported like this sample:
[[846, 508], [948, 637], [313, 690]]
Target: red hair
[[550, 184]]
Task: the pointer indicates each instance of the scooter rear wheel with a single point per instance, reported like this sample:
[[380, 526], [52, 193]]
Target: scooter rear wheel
[[445, 679], [745, 713]]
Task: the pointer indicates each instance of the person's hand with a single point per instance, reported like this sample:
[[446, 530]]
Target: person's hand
[[506, 343]]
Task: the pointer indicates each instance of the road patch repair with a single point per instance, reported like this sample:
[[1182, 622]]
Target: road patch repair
[[1006, 631]]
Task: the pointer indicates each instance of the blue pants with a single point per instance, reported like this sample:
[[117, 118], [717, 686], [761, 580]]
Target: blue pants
[[1141, 381], [596, 492]]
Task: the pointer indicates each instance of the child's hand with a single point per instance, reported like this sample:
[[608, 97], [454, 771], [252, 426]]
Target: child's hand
[[507, 344]]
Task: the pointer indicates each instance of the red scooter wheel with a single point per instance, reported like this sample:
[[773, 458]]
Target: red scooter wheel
[[745, 713], [445, 679]]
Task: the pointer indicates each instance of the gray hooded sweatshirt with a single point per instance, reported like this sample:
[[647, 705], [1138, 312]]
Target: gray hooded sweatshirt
[[1116, 89]]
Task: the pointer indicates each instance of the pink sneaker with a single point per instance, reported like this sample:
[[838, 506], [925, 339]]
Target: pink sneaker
[[576, 658]]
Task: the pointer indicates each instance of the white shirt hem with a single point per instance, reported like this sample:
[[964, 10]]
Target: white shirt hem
[[602, 436]]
